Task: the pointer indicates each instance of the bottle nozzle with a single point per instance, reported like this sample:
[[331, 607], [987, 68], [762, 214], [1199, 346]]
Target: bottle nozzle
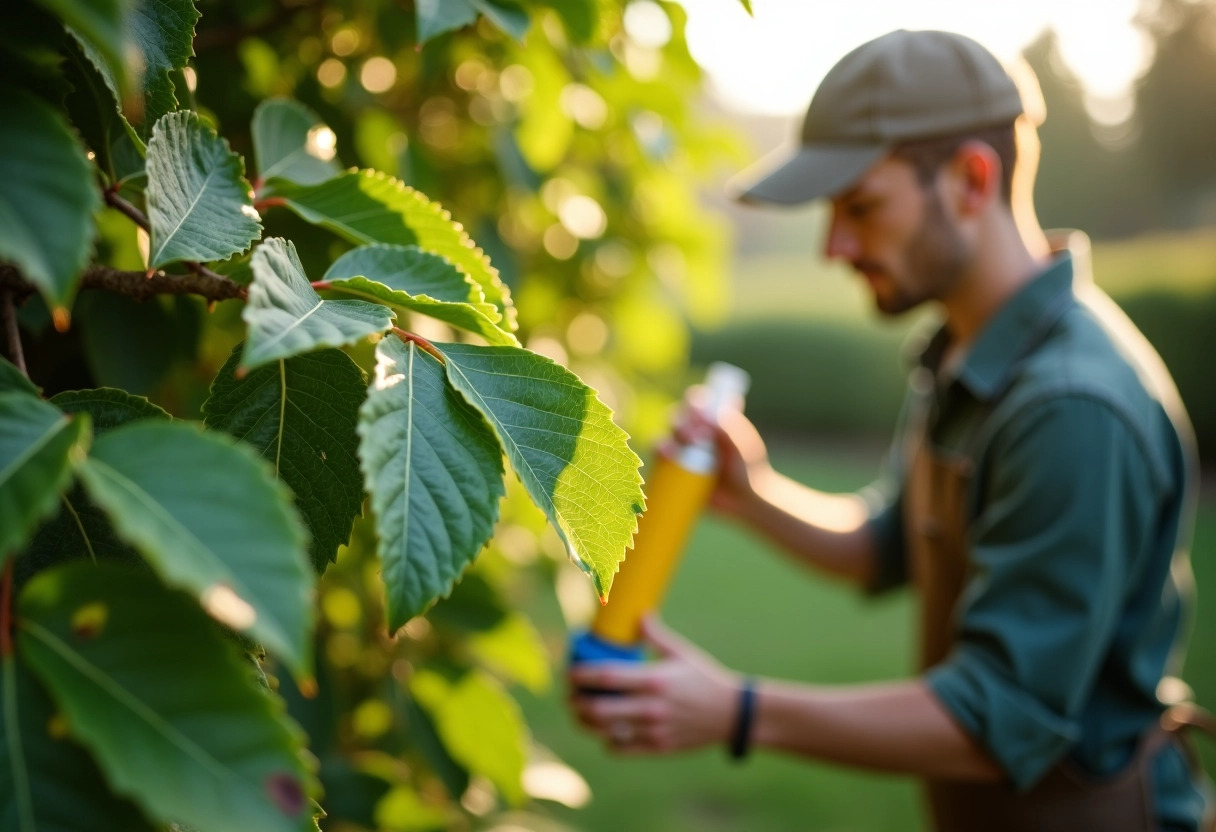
[[727, 385]]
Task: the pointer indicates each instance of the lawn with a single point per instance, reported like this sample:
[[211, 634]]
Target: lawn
[[737, 597]]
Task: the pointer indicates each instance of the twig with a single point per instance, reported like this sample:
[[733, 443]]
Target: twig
[[424, 344], [137, 216], [9, 311], [139, 285]]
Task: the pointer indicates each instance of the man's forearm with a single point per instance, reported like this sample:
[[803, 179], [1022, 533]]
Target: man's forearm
[[899, 727], [826, 531]]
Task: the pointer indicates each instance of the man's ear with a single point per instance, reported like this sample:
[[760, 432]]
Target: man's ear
[[974, 179]]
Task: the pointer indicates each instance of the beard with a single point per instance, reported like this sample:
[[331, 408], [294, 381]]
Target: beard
[[933, 262]]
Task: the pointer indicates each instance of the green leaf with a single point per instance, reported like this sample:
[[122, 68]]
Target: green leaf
[[108, 407], [48, 783], [300, 414], [94, 107], [12, 380], [209, 517], [199, 203], [163, 701], [406, 277], [572, 459], [581, 17], [164, 32], [37, 446], [434, 473], [514, 649], [480, 726], [434, 17], [286, 316], [48, 198], [289, 142], [82, 530], [747, 6], [100, 24], [505, 15], [424, 738], [369, 207]]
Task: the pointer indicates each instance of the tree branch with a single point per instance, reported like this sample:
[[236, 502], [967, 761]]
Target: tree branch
[[138, 285], [12, 334]]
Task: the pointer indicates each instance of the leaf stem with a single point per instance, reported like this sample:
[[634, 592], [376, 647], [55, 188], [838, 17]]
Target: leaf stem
[[12, 334], [426, 345], [6, 610], [269, 202]]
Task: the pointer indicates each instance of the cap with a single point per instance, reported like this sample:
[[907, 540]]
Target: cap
[[903, 86]]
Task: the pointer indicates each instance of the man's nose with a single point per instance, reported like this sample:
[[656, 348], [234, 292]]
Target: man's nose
[[840, 242]]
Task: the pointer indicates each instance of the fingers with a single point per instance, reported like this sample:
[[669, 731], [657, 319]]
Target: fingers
[[665, 641], [617, 677], [629, 724]]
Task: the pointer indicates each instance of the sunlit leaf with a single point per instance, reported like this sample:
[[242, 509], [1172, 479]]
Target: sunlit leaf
[[210, 518], [480, 726], [165, 704], [37, 444], [286, 316], [48, 198], [199, 203], [48, 783], [299, 414], [406, 277], [369, 207], [574, 461], [290, 141], [515, 650], [435, 475]]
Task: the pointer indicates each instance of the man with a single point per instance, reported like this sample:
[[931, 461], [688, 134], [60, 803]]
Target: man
[[1043, 488]]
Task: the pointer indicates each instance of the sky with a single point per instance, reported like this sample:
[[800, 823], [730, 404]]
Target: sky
[[772, 62]]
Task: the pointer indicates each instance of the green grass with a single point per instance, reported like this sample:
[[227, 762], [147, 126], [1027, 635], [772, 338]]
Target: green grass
[[760, 614]]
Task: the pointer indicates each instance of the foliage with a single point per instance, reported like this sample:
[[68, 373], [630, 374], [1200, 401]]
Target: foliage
[[179, 599]]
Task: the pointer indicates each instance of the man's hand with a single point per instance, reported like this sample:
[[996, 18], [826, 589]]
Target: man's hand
[[744, 458], [683, 701]]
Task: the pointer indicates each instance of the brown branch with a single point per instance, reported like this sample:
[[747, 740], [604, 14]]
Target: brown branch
[[138, 285], [13, 335], [137, 216]]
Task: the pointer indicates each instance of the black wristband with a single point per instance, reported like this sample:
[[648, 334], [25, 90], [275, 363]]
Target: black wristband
[[741, 737]]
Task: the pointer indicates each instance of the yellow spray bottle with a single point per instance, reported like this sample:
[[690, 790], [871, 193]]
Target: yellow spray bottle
[[676, 493]]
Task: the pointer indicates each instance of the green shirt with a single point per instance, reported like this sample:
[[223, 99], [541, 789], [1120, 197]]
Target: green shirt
[[1080, 511]]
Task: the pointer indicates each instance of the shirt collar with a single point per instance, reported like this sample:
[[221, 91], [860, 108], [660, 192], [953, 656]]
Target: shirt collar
[[1021, 323]]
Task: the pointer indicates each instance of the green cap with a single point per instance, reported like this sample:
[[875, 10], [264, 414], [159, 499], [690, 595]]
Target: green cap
[[900, 87]]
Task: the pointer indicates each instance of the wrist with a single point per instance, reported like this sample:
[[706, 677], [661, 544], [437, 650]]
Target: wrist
[[743, 726]]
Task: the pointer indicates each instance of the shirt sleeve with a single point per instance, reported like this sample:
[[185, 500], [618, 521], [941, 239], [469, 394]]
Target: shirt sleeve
[[1068, 502]]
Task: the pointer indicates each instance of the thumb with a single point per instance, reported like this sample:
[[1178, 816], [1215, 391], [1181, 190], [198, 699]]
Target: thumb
[[665, 641]]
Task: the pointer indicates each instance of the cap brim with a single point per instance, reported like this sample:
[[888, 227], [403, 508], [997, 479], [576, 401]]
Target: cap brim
[[810, 172]]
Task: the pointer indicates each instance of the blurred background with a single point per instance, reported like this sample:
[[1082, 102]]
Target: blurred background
[[584, 144]]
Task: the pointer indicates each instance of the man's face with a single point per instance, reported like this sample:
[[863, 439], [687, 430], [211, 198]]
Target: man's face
[[897, 235]]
